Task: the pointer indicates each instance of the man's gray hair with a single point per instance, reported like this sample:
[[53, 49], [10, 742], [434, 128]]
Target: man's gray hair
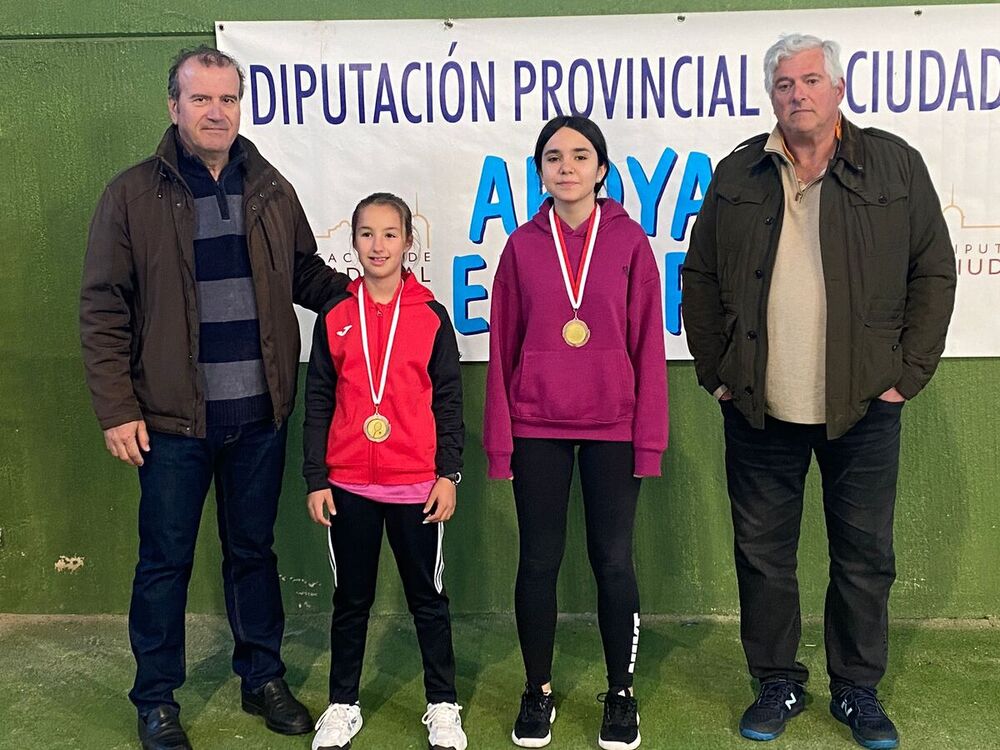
[[792, 44], [207, 56]]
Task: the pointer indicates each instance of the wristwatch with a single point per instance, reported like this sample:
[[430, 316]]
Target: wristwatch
[[453, 478]]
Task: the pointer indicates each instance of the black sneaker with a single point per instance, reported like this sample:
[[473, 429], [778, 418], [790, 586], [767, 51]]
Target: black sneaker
[[777, 702], [620, 727], [863, 713], [533, 727]]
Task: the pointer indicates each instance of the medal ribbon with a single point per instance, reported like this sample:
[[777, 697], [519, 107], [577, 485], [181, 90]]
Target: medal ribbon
[[377, 397], [575, 288]]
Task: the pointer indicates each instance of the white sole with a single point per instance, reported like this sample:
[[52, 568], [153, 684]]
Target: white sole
[[605, 745], [361, 723], [609, 745], [535, 741]]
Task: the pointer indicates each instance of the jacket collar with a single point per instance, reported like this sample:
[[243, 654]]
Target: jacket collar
[[849, 154], [412, 290], [254, 163]]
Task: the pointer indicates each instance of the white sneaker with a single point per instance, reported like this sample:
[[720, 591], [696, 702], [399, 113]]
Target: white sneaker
[[444, 727], [338, 724]]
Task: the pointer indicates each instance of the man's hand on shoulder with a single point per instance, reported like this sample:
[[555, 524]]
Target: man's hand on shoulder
[[128, 442]]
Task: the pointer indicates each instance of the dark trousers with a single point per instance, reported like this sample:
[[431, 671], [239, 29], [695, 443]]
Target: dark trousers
[[542, 473], [246, 463], [355, 543], [766, 472]]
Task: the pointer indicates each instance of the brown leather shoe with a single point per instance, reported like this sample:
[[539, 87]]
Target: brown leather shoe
[[282, 712]]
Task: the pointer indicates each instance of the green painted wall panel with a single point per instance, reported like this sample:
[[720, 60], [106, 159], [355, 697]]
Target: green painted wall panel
[[132, 17], [74, 111]]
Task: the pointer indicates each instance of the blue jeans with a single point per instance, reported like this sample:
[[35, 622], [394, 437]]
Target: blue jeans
[[246, 463], [766, 472]]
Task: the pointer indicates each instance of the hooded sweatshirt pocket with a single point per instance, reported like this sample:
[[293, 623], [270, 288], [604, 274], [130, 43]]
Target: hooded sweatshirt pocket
[[574, 386]]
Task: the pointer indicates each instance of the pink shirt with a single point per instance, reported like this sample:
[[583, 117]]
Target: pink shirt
[[403, 494]]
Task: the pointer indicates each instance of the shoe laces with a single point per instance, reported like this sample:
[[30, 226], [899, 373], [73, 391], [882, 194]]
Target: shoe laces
[[774, 693], [337, 720], [443, 722], [864, 701], [618, 709], [536, 705]]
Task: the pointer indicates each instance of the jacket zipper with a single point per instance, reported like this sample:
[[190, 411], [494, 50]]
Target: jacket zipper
[[179, 189], [376, 372]]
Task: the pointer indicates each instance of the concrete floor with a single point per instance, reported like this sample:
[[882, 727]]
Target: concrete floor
[[65, 682]]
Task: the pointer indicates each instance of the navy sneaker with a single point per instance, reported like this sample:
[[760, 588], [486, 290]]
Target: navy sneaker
[[862, 711], [533, 726], [777, 702]]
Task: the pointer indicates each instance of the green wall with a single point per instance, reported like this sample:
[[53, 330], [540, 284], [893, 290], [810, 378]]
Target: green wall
[[82, 96]]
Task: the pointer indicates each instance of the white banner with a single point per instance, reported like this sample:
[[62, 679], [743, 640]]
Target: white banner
[[445, 114]]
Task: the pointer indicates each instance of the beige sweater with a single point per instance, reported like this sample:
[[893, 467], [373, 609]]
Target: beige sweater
[[796, 307]]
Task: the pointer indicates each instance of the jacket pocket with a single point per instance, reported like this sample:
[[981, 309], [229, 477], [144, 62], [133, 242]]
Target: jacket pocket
[[582, 385], [276, 234], [885, 313], [739, 218], [737, 193], [272, 243], [882, 359], [742, 226], [882, 216], [728, 360], [347, 449]]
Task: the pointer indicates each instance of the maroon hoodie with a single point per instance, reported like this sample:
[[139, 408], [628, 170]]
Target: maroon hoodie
[[612, 388]]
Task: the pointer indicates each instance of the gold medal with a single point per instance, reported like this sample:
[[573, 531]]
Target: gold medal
[[377, 428], [576, 333]]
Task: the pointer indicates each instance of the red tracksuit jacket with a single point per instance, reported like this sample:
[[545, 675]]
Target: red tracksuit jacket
[[422, 398]]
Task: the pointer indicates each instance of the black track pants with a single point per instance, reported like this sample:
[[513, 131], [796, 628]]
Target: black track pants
[[355, 542]]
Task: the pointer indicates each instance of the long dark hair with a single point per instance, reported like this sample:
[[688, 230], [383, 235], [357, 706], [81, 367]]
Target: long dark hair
[[585, 127]]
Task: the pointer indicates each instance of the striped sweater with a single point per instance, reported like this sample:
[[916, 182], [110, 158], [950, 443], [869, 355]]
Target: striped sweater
[[229, 354]]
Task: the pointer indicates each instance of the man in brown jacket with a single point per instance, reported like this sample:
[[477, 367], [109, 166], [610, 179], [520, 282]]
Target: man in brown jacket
[[191, 345], [818, 288]]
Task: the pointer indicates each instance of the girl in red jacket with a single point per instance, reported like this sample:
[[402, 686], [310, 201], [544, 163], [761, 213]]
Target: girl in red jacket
[[383, 447]]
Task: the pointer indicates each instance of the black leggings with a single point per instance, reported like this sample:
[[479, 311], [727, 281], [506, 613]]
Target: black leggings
[[542, 472]]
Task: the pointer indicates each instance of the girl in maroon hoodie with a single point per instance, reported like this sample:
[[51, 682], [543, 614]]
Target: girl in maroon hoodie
[[383, 448], [577, 367]]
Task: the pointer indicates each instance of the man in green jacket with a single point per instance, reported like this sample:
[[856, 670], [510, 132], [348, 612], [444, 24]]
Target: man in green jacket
[[191, 346], [818, 288]]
